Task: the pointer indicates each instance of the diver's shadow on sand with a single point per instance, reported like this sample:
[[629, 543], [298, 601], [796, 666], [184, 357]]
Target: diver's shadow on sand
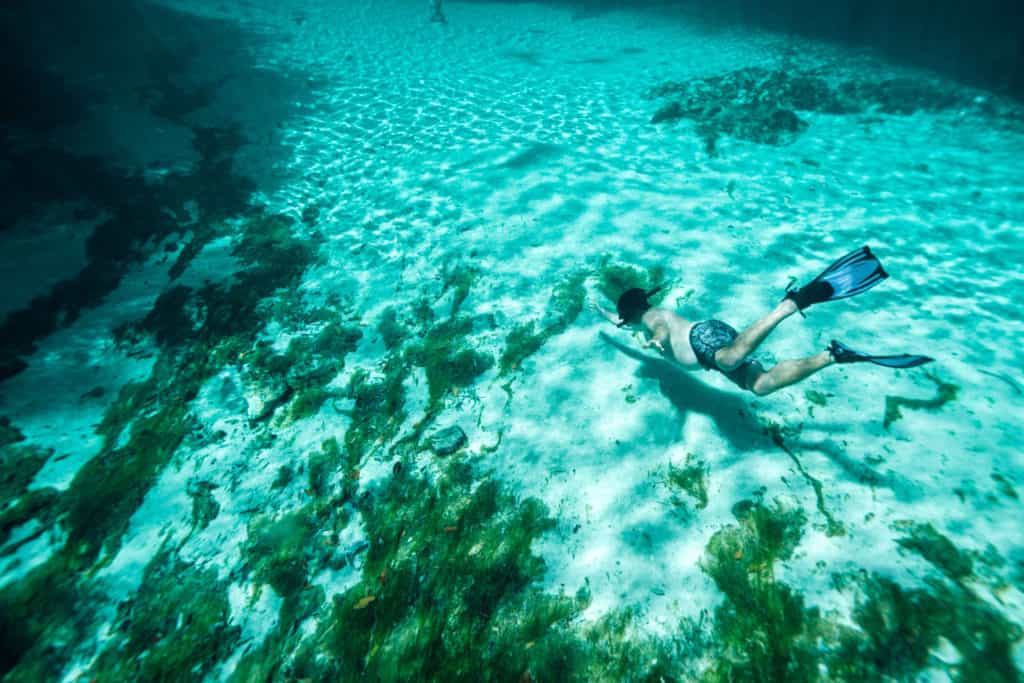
[[729, 412]]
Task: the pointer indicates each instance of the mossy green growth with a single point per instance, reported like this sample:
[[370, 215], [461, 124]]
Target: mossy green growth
[[522, 342], [285, 474], [205, 507], [277, 550], [939, 550], [37, 504], [307, 402], [18, 467], [615, 278], [392, 332], [1004, 485], [337, 340], [9, 434], [692, 478], [898, 628], [762, 628], [327, 462], [816, 397], [447, 590], [563, 308], [447, 360], [379, 406], [460, 279], [108, 489], [944, 393], [169, 321], [175, 627]]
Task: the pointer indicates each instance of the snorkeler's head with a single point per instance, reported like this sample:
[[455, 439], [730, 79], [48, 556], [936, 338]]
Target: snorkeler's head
[[633, 304]]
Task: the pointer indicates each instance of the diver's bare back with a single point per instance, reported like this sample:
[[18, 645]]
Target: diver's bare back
[[678, 342]]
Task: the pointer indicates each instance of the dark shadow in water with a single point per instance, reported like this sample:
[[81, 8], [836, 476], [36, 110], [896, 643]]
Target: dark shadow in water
[[904, 489], [66, 59], [688, 394], [978, 42]]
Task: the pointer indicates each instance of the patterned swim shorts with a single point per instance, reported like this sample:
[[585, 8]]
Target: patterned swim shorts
[[707, 336]]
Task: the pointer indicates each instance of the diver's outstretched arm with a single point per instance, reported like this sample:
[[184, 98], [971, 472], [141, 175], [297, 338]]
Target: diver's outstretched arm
[[609, 316]]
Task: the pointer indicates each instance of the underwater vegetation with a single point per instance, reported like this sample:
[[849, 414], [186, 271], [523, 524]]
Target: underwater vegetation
[[176, 624], [760, 105], [564, 306]]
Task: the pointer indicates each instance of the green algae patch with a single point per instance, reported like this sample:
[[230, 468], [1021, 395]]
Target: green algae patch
[[762, 629], [176, 626], [761, 105], [459, 279], [1005, 486], [276, 550], [692, 478], [816, 397], [378, 409], [108, 489], [205, 507], [447, 590], [18, 504], [448, 362], [522, 342], [9, 434], [392, 332], [898, 627], [38, 613], [938, 550], [944, 393], [525, 339], [170, 321]]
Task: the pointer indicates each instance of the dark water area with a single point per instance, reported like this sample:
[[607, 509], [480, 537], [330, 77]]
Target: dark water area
[[104, 98], [980, 43]]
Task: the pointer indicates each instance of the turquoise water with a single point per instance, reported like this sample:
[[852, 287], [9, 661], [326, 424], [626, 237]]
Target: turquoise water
[[301, 381]]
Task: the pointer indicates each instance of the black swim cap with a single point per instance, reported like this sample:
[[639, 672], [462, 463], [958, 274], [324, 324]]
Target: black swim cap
[[633, 304]]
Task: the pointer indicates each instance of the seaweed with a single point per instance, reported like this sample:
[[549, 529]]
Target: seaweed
[[205, 507], [460, 280], [938, 550], [692, 478], [447, 587], [276, 550], [392, 332], [762, 629], [448, 362], [525, 339], [761, 105], [175, 625], [379, 406]]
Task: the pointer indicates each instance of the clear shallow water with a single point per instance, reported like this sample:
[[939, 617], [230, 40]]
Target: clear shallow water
[[474, 178]]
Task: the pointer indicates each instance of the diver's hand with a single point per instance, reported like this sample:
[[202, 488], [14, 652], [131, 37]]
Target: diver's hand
[[607, 315], [655, 343]]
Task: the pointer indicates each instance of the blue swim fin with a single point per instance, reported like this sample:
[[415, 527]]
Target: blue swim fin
[[853, 274], [844, 354]]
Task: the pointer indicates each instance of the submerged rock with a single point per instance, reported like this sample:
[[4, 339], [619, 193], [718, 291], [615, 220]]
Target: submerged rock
[[265, 396], [447, 441], [760, 105]]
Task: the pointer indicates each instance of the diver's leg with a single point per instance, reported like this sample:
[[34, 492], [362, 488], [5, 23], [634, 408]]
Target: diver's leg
[[731, 356], [790, 372]]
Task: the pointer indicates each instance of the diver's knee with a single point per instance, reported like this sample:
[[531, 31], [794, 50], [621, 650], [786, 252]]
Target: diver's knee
[[762, 386]]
